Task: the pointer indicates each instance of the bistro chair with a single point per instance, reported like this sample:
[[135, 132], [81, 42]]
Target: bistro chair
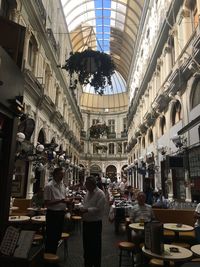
[[77, 222], [50, 259], [65, 237], [157, 262], [126, 249]]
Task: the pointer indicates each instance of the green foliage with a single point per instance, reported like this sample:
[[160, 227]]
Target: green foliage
[[98, 130], [93, 67]]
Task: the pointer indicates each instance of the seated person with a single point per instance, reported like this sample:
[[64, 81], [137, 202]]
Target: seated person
[[129, 194], [140, 212], [159, 200]]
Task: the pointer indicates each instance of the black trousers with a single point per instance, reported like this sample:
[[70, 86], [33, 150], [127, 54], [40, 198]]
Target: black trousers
[[54, 228], [92, 243]]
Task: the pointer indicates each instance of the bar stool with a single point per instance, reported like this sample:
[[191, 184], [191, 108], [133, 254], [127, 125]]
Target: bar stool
[[37, 238], [157, 263], [126, 249], [65, 237], [50, 259], [77, 221]]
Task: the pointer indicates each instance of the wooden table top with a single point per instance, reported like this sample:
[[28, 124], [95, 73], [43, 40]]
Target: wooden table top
[[182, 254], [19, 218], [178, 227], [196, 249], [136, 226], [41, 218]]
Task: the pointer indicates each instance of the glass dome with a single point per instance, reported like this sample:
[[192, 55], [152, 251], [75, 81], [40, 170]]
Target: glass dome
[[118, 86]]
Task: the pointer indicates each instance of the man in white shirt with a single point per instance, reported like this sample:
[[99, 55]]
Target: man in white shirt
[[54, 199], [92, 211]]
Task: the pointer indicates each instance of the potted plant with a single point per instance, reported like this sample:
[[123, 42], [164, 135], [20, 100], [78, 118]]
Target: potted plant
[[89, 66]]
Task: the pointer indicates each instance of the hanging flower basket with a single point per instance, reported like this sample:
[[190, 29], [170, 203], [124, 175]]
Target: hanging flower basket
[[90, 67], [98, 130], [102, 148]]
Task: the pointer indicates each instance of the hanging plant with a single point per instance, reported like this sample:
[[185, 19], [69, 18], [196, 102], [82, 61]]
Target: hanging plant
[[103, 148], [98, 130], [90, 67]]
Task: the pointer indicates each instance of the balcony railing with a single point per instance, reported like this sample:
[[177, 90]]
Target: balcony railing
[[42, 10], [111, 135], [52, 39]]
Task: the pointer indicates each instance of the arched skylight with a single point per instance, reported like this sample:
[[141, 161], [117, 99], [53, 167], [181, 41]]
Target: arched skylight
[[118, 86], [110, 26]]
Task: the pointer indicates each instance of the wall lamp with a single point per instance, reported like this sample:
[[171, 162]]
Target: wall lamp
[[179, 141], [149, 155], [162, 149], [41, 155]]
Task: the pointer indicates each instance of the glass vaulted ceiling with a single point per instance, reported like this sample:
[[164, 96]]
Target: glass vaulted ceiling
[[110, 26]]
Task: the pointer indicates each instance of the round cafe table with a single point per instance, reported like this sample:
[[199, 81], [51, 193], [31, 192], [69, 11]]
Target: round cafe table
[[196, 249], [18, 219], [177, 228], [14, 208], [136, 226], [183, 254], [39, 219]]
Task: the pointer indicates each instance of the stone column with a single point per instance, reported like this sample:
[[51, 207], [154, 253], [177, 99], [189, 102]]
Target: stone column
[[168, 60], [170, 186], [187, 187], [26, 43], [186, 26]]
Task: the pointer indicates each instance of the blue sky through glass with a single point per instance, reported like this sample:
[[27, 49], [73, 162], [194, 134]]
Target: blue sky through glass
[[102, 14]]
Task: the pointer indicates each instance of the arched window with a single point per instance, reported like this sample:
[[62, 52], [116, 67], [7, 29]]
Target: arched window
[[47, 77], [124, 146], [41, 137], [150, 136], [195, 100], [143, 142], [172, 49], [162, 125], [176, 112], [32, 50], [111, 149]]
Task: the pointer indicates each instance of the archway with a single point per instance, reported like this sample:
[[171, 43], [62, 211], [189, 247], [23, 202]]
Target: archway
[[111, 172]]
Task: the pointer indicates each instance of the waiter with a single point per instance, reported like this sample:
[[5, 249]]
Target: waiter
[[54, 199], [92, 211]]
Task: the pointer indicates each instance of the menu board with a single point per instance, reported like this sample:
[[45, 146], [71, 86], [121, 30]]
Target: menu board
[[9, 241], [154, 237], [16, 243]]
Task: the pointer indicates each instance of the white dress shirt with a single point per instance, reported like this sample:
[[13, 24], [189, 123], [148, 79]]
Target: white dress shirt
[[55, 191], [95, 203]]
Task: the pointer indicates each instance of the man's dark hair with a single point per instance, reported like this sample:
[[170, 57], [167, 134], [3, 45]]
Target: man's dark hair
[[57, 170], [91, 179]]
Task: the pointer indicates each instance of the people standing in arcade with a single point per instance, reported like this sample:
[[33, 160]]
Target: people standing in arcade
[[54, 199], [92, 212]]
